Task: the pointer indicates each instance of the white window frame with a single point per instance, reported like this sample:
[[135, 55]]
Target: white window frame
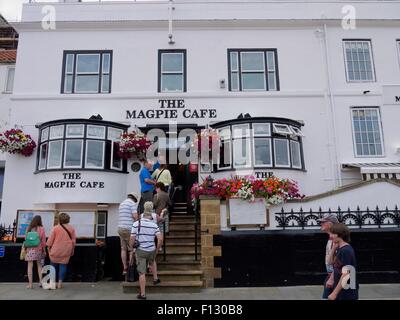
[[296, 131], [240, 126], [248, 157], [59, 136], [182, 72], [105, 73], [75, 136], [77, 73], [271, 70], [40, 156], [114, 139], [61, 153], [252, 71], [95, 137], [69, 73], [270, 152], [277, 130], [370, 56], [102, 154], [398, 50], [65, 153], [261, 134], [234, 71], [380, 132], [101, 225], [47, 130], [299, 153], [288, 153], [6, 89], [229, 140]]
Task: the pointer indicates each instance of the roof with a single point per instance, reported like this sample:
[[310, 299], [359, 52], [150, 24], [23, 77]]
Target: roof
[[8, 56], [376, 164]]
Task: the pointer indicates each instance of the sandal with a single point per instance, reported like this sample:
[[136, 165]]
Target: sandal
[[140, 297], [156, 281]]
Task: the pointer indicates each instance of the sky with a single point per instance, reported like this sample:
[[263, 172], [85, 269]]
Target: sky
[[11, 9]]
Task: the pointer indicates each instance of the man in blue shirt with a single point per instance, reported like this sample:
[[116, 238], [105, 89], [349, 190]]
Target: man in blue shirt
[[146, 186]]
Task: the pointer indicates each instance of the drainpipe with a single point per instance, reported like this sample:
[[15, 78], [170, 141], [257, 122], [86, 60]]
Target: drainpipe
[[337, 170], [170, 8]]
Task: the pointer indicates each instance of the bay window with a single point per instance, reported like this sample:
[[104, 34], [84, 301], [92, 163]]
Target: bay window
[[80, 144]]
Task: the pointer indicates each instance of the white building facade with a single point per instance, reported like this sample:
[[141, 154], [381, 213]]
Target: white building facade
[[322, 98]]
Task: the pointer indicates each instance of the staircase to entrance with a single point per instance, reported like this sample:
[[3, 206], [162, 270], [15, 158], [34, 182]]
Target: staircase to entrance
[[179, 264]]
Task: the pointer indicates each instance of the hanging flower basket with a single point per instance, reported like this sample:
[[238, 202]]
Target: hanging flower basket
[[273, 190], [204, 140], [133, 144], [15, 141]]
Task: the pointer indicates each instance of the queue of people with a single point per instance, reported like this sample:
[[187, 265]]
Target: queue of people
[[142, 221], [60, 244]]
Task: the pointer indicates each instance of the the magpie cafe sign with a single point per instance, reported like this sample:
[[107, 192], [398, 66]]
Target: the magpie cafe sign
[[73, 181], [171, 109]]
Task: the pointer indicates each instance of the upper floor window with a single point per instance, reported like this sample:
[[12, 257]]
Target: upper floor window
[[80, 145], [172, 71], [359, 61], [253, 70], [87, 72], [367, 132], [398, 49], [9, 80], [260, 145]]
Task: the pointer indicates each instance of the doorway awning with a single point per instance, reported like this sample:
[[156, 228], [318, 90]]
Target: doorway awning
[[380, 170]]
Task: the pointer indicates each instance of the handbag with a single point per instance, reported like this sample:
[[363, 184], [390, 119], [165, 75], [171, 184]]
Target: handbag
[[22, 255], [132, 274], [32, 240]]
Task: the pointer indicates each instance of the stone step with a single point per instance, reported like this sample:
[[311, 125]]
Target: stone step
[[181, 249], [166, 286], [176, 275], [178, 256], [179, 265], [182, 218], [186, 233], [185, 226], [176, 241]]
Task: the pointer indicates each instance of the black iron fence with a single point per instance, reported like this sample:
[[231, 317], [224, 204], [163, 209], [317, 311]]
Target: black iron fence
[[8, 233], [196, 229], [368, 218]]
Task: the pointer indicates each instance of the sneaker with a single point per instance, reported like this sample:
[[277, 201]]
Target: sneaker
[[140, 297], [157, 281]]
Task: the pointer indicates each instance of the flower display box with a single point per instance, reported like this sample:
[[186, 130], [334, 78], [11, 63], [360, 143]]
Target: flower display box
[[247, 213]]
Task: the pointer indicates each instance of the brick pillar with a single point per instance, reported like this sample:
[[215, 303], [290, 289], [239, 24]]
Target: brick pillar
[[210, 226]]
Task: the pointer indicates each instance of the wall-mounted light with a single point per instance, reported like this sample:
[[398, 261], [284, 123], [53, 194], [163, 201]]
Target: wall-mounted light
[[222, 83]]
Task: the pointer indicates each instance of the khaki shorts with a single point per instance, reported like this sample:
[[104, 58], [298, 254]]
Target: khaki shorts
[[125, 237], [143, 259]]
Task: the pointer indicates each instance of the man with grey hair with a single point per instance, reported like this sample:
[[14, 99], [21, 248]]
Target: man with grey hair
[[327, 221], [144, 232]]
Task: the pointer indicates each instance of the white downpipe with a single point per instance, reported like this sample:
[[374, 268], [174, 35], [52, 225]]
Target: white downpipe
[[337, 171]]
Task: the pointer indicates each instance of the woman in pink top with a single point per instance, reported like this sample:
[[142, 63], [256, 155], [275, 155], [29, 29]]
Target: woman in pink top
[[36, 253], [61, 245]]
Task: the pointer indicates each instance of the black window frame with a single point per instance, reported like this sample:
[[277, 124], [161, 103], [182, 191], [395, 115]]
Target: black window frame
[[74, 73], [264, 50], [184, 74], [107, 160], [272, 137]]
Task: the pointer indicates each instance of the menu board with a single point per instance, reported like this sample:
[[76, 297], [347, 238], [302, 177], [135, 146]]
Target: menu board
[[242, 212], [83, 222], [24, 218]]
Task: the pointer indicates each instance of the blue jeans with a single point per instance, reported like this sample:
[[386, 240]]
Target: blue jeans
[[61, 269]]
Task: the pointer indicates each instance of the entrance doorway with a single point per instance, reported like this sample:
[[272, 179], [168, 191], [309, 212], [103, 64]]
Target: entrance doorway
[[182, 177]]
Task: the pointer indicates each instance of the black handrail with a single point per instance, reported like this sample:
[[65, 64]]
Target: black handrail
[[165, 243], [196, 226]]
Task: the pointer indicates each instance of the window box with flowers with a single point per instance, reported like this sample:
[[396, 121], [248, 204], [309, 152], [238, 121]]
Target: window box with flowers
[[247, 198], [15, 141]]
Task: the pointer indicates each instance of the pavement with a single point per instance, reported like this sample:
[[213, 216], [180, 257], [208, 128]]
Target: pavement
[[107, 290]]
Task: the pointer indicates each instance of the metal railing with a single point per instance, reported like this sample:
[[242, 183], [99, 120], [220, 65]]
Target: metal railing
[[196, 228], [358, 218]]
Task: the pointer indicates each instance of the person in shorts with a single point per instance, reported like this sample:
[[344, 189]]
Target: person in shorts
[[144, 232], [127, 215]]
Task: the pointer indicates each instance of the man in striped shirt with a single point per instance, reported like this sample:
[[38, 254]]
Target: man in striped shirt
[[127, 215], [144, 233]]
